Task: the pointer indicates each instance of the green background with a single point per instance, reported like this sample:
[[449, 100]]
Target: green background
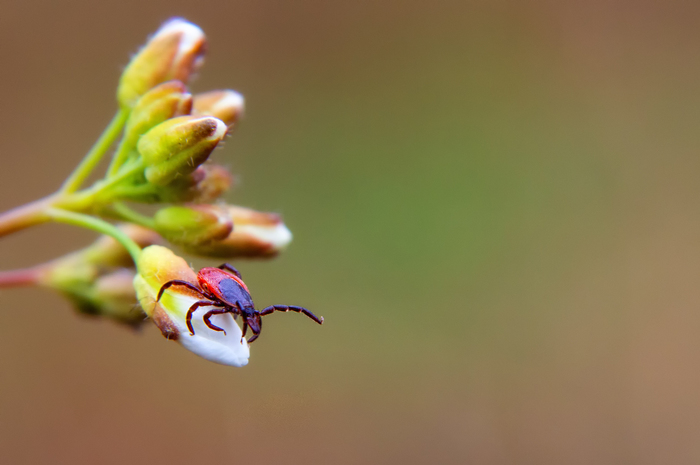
[[495, 207]]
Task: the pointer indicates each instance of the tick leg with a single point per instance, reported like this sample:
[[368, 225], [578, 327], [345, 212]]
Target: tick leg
[[211, 313], [252, 338], [245, 328], [195, 306], [293, 308], [178, 282], [230, 269]]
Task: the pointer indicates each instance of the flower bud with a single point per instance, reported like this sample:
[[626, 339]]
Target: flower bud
[[178, 146], [111, 295], [114, 296], [254, 235], [159, 104], [175, 52], [227, 105], [204, 185], [193, 225], [157, 266], [98, 279]]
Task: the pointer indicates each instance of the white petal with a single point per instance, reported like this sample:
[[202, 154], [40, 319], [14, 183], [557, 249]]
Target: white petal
[[232, 99], [191, 34], [227, 349], [278, 236]]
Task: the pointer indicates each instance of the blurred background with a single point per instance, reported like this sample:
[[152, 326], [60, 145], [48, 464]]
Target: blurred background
[[496, 208]]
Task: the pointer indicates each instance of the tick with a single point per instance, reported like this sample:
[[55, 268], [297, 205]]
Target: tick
[[223, 288]]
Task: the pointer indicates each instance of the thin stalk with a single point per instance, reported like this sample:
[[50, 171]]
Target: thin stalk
[[24, 277], [35, 213], [124, 173], [25, 216], [132, 192], [127, 214], [119, 158], [93, 157], [96, 224]]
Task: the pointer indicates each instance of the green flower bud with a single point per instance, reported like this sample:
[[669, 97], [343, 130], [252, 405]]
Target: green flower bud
[[227, 105], [175, 52], [178, 146], [95, 289], [159, 104], [255, 235], [206, 184], [193, 225]]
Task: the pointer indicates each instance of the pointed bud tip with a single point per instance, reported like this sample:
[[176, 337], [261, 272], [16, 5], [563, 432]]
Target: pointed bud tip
[[191, 46], [279, 236], [233, 99], [220, 128], [200, 128], [190, 31], [227, 105]]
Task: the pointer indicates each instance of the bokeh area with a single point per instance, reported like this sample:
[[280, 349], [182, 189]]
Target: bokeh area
[[496, 207]]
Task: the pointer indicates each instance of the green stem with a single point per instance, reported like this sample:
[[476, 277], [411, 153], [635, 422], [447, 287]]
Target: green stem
[[102, 188], [96, 224], [137, 193], [35, 213], [125, 172], [127, 214], [25, 216], [95, 154], [120, 156]]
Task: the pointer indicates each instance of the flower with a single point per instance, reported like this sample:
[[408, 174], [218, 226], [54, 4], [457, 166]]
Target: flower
[[156, 266], [255, 235]]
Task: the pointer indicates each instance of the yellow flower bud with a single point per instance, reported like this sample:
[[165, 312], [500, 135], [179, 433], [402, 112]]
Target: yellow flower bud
[[174, 52], [255, 235], [157, 266], [227, 105], [159, 104], [178, 146], [192, 225]]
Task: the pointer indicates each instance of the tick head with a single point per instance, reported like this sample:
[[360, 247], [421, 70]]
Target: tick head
[[254, 322]]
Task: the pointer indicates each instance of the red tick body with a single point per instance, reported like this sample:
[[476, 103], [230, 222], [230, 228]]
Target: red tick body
[[210, 280], [224, 289]]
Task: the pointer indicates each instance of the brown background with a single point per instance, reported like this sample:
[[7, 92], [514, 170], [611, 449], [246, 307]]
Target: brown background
[[496, 207]]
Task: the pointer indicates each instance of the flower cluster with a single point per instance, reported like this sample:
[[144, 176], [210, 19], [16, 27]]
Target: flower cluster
[[163, 137]]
